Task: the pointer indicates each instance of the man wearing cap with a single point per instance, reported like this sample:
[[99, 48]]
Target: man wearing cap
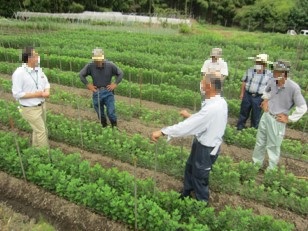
[[30, 87], [253, 85], [208, 126], [215, 63], [280, 95], [102, 71]]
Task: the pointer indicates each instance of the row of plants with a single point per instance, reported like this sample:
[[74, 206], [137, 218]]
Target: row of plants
[[120, 195], [153, 67], [163, 93], [245, 138], [138, 75], [162, 157], [132, 73], [166, 45]]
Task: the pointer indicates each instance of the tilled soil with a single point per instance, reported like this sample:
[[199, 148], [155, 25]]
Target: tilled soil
[[29, 199], [164, 182]]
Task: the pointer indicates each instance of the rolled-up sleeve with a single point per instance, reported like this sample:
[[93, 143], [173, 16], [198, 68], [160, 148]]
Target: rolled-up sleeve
[[191, 126], [17, 90], [46, 84], [224, 68]]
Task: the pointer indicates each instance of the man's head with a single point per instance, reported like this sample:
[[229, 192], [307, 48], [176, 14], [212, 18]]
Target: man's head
[[98, 56], [215, 54], [30, 57], [281, 69], [211, 84], [261, 61]]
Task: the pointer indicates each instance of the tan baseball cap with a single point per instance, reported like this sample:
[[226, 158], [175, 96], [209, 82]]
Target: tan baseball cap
[[216, 52], [262, 58], [98, 54]]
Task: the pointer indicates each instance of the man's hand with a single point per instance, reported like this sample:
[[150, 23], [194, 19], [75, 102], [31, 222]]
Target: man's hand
[[264, 105], [156, 135], [283, 118], [91, 87], [111, 87], [185, 113], [241, 96]]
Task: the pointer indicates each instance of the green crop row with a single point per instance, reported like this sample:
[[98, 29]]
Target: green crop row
[[120, 196], [245, 138], [156, 56], [162, 94], [163, 157]]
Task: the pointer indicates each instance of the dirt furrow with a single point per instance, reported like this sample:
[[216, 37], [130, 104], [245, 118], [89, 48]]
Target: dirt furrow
[[29, 199]]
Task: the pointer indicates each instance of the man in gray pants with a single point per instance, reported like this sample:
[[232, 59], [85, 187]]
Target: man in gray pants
[[280, 95]]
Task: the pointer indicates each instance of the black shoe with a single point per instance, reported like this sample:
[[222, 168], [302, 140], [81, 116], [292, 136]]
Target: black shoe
[[182, 196], [114, 124], [104, 122]]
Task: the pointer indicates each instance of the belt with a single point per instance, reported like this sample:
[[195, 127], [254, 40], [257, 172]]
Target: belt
[[254, 94], [273, 115], [40, 104], [101, 88]]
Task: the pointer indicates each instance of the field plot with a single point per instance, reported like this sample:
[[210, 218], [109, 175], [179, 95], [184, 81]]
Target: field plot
[[104, 179]]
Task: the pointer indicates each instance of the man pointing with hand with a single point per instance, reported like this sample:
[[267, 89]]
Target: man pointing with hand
[[208, 126]]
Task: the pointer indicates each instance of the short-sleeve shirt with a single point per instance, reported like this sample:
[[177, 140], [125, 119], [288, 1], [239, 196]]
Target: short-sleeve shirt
[[219, 66], [255, 82]]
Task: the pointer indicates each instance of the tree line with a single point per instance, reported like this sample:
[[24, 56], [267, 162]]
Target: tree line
[[264, 15]]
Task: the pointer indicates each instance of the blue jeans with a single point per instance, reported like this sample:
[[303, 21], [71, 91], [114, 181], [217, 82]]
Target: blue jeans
[[250, 104], [101, 99], [197, 171]]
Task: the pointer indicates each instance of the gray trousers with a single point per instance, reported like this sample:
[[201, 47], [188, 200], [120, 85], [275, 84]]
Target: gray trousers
[[197, 171], [269, 138]]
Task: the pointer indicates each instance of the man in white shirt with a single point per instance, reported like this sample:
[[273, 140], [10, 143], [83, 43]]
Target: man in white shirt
[[208, 126], [30, 88], [215, 63]]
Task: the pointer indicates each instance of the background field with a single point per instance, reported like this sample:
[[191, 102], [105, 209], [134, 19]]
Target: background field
[[162, 74]]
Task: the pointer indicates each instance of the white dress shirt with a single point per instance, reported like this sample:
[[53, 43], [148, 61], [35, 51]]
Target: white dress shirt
[[28, 80], [208, 125], [220, 65]]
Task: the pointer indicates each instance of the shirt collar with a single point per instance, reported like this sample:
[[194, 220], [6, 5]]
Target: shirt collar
[[212, 99], [29, 69], [218, 60]]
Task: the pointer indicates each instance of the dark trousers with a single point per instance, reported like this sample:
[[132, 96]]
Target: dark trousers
[[101, 99], [250, 104], [197, 171]]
